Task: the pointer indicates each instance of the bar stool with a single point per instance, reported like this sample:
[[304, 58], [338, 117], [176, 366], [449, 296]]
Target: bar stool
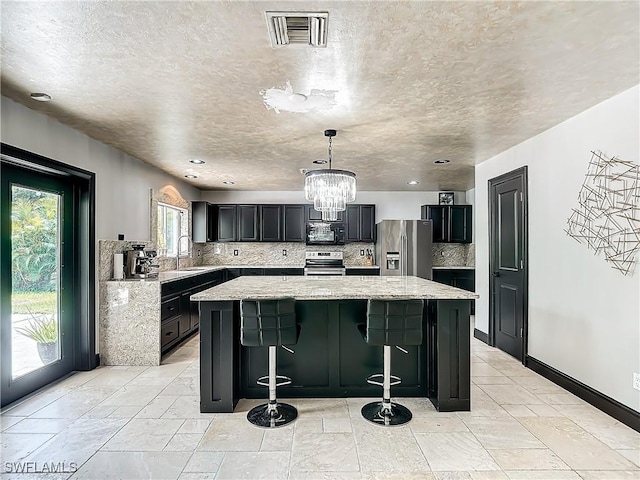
[[390, 323], [270, 323]]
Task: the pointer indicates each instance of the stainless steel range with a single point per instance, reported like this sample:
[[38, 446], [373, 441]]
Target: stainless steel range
[[324, 263]]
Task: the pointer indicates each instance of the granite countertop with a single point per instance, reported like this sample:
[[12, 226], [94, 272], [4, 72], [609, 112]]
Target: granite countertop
[[173, 275], [333, 288], [454, 267]]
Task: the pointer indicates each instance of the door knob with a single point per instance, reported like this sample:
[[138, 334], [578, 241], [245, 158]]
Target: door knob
[[496, 274]]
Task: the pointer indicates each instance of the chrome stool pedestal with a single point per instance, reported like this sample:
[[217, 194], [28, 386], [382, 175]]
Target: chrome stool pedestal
[[270, 323], [272, 414], [390, 323]]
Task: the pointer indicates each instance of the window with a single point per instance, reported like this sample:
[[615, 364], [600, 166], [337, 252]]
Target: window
[[172, 224]]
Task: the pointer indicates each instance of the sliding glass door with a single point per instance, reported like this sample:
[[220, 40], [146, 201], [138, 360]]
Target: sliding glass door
[[37, 285]]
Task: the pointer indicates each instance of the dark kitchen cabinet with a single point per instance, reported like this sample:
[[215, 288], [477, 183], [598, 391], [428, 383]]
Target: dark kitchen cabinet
[[460, 221], [294, 223], [360, 224], [227, 221], [463, 278], [203, 224], [248, 226], [312, 215], [271, 220], [288, 271], [179, 316], [363, 271], [451, 223]]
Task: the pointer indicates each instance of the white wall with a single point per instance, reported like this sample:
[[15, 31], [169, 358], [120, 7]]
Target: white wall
[[122, 182], [389, 205], [584, 316]]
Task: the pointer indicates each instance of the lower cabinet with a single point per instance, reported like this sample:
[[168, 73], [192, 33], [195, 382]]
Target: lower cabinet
[[463, 278], [180, 316], [169, 333], [363, 271]]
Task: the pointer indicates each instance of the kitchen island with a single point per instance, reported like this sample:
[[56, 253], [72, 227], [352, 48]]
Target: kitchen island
[[331, 358]]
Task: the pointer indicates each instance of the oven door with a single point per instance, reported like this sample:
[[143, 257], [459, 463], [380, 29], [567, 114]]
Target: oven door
[[330, 271]]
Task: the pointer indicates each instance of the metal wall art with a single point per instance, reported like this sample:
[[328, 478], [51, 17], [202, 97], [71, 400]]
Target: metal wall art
[[607, 219]]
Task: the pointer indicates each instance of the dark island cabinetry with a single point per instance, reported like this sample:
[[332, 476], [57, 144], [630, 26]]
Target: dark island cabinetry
[[451, 223], [332, 360]]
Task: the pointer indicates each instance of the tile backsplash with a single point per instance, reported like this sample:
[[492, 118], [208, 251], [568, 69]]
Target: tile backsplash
[[107, 248], [249, 253], [454, 255], [253, 253]]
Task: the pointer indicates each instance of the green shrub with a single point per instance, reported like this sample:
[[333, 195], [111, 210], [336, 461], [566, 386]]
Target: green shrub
[[42, 329]]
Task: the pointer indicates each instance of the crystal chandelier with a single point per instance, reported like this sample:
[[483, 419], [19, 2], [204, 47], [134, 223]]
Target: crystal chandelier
[[330, 190]]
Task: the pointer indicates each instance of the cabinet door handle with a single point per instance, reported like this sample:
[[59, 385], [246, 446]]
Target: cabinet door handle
[[171, 308], [496, 274]]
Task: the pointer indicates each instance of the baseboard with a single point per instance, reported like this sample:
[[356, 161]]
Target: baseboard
[[599, 400], [480, 335]]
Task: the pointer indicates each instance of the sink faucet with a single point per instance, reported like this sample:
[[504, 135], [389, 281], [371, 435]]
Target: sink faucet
[[178, 249]]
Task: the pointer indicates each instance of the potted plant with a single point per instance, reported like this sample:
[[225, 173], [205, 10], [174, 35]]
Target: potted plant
[[44, 330]]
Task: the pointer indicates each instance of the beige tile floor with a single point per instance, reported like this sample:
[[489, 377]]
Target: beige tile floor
[[145, 423]]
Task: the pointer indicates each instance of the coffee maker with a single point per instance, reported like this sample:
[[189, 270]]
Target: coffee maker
[[138, 262]]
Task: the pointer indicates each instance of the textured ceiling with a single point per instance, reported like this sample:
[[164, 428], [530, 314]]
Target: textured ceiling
[[416, 81]]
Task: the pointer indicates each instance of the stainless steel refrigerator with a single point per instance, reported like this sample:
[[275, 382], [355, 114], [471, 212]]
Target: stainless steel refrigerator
[[403, 247]]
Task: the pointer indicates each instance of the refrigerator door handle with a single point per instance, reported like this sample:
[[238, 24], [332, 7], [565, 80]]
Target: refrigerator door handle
[[403, 256]]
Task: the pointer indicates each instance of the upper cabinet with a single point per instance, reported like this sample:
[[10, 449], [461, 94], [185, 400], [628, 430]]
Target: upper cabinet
[[294, 223], [248, 223], [451, 223], [274, 223], [271, 218], [227, 223], [203, 216], [360, 225]]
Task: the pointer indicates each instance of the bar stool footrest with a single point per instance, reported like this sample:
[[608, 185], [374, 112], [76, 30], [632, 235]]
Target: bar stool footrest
[[264, 381], [381, 414], [395, 380], [265, 417]]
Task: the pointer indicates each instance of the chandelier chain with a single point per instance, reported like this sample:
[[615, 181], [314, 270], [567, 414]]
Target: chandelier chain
[[330, 153]]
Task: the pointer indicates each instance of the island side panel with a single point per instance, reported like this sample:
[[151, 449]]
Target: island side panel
[[449, 356], [219, 362]]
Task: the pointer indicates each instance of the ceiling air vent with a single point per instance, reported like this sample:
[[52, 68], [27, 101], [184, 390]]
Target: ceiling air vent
[[298, 28]]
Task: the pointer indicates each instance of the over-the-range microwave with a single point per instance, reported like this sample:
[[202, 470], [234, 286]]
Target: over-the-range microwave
[[325, 233]]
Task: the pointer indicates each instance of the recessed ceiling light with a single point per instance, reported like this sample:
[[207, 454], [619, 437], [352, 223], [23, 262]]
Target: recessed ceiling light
[[320, 162], [442, 161], [197, 161], [40, 97], [229, 183], [413, 182], [191, 176]]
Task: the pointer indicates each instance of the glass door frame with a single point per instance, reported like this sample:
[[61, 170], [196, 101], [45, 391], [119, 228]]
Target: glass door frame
[[78, 346]]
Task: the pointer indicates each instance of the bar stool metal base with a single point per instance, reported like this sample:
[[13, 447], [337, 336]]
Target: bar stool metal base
[[386, 415], [278, 416]]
